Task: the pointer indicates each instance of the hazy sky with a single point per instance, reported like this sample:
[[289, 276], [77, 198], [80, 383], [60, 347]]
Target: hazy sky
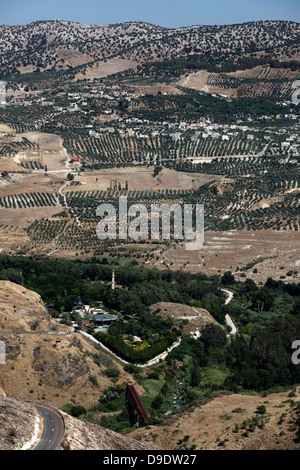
[[168, 13]]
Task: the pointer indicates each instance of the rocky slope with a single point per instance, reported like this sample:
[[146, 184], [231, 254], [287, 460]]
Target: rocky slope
[[20, 428], [17, 423], [47, 361], [86, 436], [22, 310]]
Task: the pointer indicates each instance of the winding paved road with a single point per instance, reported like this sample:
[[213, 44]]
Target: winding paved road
[[228, 318], [53, 429]]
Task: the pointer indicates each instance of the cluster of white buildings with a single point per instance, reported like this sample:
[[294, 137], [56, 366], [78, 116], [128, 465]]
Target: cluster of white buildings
[[87, 310]]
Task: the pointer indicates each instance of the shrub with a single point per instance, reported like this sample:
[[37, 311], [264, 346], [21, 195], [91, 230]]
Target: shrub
[[112, 372], [77, 410], [261, 409]]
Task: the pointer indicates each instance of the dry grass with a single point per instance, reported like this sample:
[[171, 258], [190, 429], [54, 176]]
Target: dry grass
[[229, 251], [47, 361], [213, 425], [141, 179]]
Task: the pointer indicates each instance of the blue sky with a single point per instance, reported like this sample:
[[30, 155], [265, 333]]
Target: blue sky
[[168, 13]]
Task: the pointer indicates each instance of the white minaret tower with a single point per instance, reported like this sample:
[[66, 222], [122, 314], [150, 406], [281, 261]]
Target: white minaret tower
[[113, 281]]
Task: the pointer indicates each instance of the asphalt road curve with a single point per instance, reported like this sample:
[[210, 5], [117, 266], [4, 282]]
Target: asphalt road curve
[[53, 429]]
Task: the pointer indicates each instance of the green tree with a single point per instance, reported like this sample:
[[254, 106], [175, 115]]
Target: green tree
[[157, 402], [227, 278], [213, 336]]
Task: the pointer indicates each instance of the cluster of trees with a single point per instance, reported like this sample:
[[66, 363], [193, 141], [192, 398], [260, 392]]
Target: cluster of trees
[[266, 84], [64, 282], [254, 304], [13, 147], [191, 105], [234, 199], [48, 79], [259, 357], [259, 361], [32, 165], [266, 359], [28, 200], [116, 149], [160, 338], [33, 116], [44, 231], [168, 69]]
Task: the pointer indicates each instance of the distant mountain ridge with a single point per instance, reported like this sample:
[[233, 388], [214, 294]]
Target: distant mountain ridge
[[62, 45]]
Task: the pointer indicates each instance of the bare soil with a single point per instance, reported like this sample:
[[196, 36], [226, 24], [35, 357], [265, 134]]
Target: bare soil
[[275, 253], [108, 67], [142, 179]]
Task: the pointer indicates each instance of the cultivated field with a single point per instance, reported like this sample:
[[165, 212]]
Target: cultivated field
[[35, 219]]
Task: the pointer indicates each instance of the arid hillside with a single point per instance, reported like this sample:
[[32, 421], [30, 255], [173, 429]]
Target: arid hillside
[[20, 427], [46, 361], [22, 311], [231, 422]]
